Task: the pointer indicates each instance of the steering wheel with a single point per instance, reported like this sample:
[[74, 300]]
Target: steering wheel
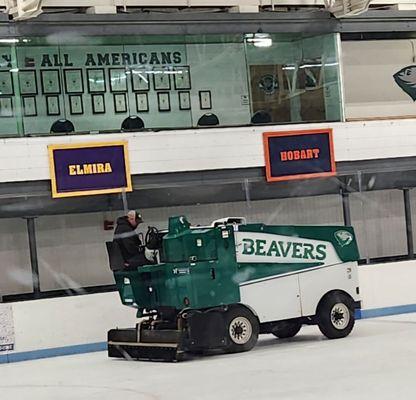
[[151, 239]]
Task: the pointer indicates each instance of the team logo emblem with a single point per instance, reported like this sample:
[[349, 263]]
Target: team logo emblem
[[268, 83], [406, 79], [344, 238]]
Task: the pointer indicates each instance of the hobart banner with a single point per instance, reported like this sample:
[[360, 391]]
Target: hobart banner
[[298, 154], [89, 168]]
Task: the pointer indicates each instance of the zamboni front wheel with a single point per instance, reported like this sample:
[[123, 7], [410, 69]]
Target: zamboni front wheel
[[242, 328], [336, 315]]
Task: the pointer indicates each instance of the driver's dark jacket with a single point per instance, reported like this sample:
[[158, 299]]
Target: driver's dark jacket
[[127, 239]]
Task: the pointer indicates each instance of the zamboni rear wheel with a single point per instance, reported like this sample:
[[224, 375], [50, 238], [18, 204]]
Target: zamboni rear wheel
[[336, 315], [288, 330]]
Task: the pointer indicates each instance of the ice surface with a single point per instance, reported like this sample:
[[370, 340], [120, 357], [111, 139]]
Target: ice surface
[[378, 361]]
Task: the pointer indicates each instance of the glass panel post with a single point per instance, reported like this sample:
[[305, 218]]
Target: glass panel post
[[17, 99], [31, 231], [346, 212], [408, 217]]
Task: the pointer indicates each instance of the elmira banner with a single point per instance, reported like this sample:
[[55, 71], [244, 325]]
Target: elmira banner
[[298, 154], [89, 168]]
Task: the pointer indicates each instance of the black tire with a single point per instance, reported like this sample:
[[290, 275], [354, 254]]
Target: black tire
[[336, 315], [287, 329], [242, 328]]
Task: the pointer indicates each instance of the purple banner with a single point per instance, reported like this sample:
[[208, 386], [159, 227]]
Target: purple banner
[[89, 169], [298, 154]]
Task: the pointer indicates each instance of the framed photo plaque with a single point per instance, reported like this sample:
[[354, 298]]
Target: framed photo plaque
[[139, 80], [118, 79], [163, 101], [6, 107], [98, 103], [6, 83], [182, 78], [184, 100], [52, 105], [75, 104], [27, 82], [96, 80], [120, 103], [74, 83], [50, 81], [142, 102], [205, 99], [29, 106], [161, 80]]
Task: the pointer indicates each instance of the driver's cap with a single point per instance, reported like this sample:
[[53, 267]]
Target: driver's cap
[[139, 217]]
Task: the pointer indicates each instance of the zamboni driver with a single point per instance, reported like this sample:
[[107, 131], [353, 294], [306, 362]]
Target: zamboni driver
[[126, 236]]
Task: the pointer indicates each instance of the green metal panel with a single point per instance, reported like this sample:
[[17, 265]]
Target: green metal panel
[[132, 287], [199, 271], [182, 244]]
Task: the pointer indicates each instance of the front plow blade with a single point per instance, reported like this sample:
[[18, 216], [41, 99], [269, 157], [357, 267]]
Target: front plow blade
[[124, 343]]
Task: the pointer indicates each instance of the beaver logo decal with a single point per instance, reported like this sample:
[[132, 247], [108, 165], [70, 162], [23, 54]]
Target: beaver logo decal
[[344, 238], [406, 79]]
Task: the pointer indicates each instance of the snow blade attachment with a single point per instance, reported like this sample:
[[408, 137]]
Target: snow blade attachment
[[152, 345]]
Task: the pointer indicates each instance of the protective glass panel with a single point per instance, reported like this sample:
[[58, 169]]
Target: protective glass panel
[[71, 251], [379, 222], [72, 84], [15, 269]]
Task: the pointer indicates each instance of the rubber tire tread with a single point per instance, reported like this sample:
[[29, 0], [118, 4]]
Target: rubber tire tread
[[292, 329], [240, 311], [324, 315]]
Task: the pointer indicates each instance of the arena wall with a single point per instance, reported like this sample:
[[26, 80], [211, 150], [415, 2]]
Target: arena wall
[[26, 159], [70, 325]]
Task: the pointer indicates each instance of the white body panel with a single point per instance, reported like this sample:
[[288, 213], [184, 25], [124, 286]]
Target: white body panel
[[273, 299], [298, 294], [315, 284]]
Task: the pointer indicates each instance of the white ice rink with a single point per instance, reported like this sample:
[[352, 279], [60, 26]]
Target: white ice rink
[[377, 361]]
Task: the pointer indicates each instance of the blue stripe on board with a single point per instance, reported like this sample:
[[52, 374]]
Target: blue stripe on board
[[102, 346], [54, 352], [382, 312]]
